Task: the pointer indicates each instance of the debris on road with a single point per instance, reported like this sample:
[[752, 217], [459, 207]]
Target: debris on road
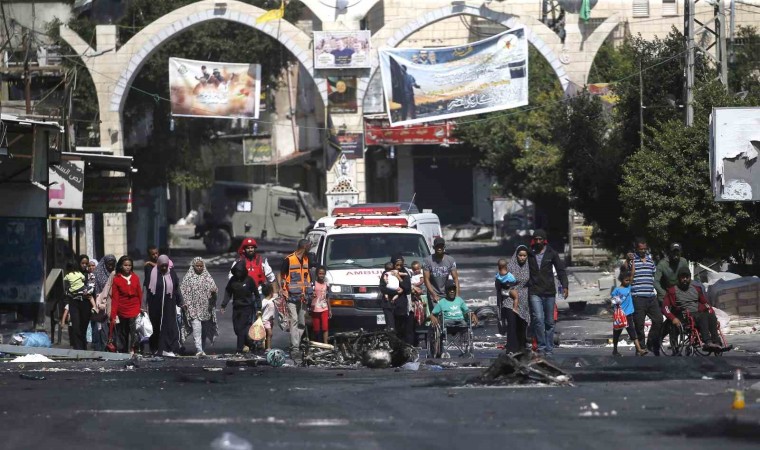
[[31, 339], [523, 368], [377, 349], [35, 357], [24, 376], [230, 441], [66, 353]]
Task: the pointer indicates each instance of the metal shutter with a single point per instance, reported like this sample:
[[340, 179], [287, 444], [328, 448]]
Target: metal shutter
[[640, 8], [669, 8]]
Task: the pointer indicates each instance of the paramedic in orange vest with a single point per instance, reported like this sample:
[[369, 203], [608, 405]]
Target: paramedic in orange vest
[[258, 266], [296, 289]]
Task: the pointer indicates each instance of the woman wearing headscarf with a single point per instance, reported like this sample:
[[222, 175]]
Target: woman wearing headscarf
[[397, 313], [518, 309], [104, 273], [164, 296], [199, 294]]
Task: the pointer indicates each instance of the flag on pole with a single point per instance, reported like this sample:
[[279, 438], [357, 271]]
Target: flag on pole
[[274, 14], [585, 10]]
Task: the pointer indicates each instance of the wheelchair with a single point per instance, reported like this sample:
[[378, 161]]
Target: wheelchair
[[444, 338], [685, 340]]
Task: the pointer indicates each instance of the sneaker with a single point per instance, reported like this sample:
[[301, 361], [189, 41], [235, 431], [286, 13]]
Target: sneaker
[[200, 355], [169, 354], [643, 352]]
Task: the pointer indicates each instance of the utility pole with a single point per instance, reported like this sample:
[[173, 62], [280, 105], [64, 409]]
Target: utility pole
[[641, 106], [692, 26], [27, 78], [688, 25]]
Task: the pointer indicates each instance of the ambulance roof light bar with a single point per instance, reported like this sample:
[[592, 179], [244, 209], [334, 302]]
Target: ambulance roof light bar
[[365, 222], [367, 211]]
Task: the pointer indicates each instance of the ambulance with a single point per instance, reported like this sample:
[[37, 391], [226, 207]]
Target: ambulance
[[355, 243]]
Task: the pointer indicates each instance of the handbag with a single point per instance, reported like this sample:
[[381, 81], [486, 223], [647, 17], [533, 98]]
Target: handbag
[[110, 346], [619, 320], [257, 332]]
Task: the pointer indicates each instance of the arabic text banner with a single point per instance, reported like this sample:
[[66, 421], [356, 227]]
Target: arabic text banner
[[214, 89], [422, 85]]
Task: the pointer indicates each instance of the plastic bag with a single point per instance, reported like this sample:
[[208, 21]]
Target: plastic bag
[[144, 327], [619, 320], [257, 332], [39, 339]]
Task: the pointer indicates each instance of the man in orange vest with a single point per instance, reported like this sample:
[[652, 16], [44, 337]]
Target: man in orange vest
[[295, 282]]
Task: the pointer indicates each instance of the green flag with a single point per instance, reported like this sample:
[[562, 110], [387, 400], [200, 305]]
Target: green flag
[[585, 10]]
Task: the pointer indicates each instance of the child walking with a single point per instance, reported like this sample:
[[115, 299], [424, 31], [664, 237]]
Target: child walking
[[242, 290], [267, 313], [320, 311], [621, 297]]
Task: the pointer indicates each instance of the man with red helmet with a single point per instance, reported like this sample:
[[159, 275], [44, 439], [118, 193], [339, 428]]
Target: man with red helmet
[[258, 266]]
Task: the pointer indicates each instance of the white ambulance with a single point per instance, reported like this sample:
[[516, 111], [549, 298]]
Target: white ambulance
[[354, 244]]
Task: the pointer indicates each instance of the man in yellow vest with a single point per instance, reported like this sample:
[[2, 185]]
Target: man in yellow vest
[[296, 288]]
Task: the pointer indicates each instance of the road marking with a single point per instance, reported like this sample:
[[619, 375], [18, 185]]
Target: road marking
[[122, 411]]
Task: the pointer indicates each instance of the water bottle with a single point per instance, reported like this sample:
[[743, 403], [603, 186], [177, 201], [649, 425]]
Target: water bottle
[[738, 390]]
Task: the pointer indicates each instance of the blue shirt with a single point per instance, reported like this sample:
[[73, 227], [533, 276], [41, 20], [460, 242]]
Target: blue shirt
[[625, 294], [643, 278]]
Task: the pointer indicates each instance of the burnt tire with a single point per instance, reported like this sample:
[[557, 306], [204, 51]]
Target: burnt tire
[[218, 240]]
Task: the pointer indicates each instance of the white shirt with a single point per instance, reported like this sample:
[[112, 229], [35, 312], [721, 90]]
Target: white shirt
[[267, 309]]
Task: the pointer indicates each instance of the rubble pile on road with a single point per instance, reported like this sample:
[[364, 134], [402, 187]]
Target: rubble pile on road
[[522, 368], [378, 349]]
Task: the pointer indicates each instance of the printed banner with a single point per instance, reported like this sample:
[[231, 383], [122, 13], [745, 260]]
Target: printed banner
[[341, 94], [380, 132], [352, 145], [66, 185], [341, 49], [257, 151], [22, 270], [108, 195], [214, 89], [427, 84]]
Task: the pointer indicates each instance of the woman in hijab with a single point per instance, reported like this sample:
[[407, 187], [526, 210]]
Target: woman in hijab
[[104, 272], [199, 294], [397, 314], [164, 296], [518, 310]]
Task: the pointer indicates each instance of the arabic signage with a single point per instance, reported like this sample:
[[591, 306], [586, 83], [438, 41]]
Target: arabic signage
[[341, 94], [341, 49], [351, 144], [214, 89], [22, 272], [427, 84], [66, 185], [257, 151], [380, 132], [108, 195]]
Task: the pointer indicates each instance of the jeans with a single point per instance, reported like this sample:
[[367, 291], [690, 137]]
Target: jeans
[[297, 323], [542, 318], [643, 307]]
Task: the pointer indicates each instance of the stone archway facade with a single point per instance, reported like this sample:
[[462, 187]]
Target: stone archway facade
[[114, 68]]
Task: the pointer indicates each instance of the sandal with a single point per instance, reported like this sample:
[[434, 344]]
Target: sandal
[[642, 352]]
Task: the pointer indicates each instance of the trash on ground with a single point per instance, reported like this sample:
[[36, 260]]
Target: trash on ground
[[34, 357], [376, 349], [24, 376], [32, 339], [414, 366], [230, 441], [523, 368]]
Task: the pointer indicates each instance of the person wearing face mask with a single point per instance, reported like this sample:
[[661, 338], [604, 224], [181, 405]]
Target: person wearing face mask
[[543, 262], [645, 301], [164, 296]]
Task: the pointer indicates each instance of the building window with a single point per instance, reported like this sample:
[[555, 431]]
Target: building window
[[640, 8], [669, 8]]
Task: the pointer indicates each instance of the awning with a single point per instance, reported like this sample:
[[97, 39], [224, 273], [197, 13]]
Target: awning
[[101, 162]]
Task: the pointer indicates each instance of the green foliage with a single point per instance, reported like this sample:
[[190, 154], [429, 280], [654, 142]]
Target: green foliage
[[746, 60]]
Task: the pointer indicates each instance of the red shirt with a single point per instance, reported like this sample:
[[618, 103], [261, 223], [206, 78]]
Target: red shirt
[[126, 297]]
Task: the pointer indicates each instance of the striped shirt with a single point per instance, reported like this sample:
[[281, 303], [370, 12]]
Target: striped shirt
[[643, 277]]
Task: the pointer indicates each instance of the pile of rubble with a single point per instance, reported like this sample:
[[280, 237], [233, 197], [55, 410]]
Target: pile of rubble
[[522, 369], [378, 349]]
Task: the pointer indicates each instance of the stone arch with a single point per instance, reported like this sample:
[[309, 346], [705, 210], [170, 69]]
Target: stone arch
[[144, 43], [538, 34]]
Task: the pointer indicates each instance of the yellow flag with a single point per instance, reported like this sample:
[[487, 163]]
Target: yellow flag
[[275, 14]]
